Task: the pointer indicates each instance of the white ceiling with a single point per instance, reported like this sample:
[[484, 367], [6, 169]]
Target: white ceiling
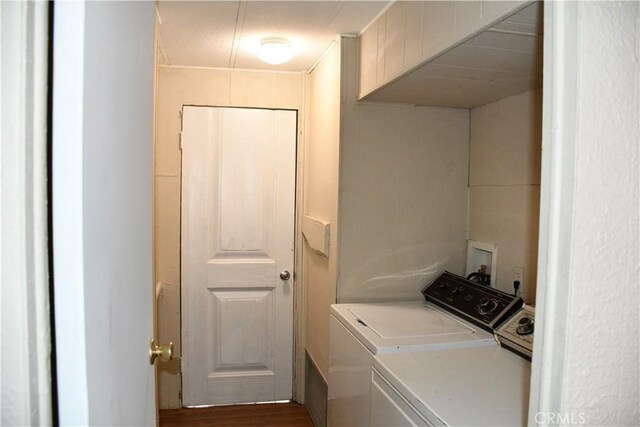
[[226, 34]]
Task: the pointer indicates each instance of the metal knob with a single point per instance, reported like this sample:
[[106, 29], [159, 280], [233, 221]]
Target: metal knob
[[525, 326], [164, 352], [487, 306], [285, 275]]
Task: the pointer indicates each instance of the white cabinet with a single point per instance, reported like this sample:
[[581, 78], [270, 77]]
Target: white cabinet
[[413, 19], [368, 45], [404, 53], [382, 47], [394, 40], [439, 23]]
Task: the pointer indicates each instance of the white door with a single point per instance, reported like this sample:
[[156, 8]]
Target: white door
[[103, 69], [238, 181]]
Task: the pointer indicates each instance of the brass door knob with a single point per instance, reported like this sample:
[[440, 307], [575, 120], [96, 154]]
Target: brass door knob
[[164, 352]]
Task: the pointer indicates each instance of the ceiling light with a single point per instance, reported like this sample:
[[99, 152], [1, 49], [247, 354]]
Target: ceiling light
[[275, 51]]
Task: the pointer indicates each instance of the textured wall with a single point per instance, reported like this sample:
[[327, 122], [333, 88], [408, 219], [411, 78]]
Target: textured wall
[[178, 86], [403, 194], [601, 372], [504, 184], [321, 201]]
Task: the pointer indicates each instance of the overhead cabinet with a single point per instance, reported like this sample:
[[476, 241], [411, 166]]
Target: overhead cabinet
[[451, 53]]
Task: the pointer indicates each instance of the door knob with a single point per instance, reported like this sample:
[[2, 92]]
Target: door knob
[[285, 275], [164, 351]]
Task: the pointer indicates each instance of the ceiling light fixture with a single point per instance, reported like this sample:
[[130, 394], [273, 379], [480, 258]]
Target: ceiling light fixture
[[275, 50]]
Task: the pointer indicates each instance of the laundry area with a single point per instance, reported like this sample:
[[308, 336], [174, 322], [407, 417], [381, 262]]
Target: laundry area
[[374, 255], [320, 213], [416, 163]]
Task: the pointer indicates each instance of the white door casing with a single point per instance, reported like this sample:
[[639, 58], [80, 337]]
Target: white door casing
[[25, 342], [238, 191]]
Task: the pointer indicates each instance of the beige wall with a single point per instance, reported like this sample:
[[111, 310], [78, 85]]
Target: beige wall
[[178, 86], [403, 194], [504, 184], [321, 201]]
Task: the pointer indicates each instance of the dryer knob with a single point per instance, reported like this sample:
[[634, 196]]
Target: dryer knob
[[525, 326], [487, 305]]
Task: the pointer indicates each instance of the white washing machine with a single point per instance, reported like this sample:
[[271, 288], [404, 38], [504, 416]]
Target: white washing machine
[[360, 331]]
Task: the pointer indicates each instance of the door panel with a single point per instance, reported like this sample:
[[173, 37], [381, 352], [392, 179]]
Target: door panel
[[238, 187], [102, 158]]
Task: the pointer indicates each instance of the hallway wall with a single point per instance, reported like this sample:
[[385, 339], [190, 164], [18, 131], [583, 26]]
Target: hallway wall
[[178, 86], [322, 159], [321, 201]]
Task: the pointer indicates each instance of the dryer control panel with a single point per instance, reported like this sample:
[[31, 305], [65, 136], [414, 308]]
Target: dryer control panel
[[516, 333], [481, 305]]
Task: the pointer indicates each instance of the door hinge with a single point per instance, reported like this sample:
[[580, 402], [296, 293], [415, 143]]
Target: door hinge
[[181, 146]]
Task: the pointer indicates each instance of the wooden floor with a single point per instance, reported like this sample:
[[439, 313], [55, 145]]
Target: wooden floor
[[269, 414]]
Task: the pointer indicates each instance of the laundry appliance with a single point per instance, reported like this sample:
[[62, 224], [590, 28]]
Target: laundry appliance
[[457, 314], [481, 386]]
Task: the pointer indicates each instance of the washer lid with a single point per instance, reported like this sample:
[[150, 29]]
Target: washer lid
[[408, 326], [407, 321]]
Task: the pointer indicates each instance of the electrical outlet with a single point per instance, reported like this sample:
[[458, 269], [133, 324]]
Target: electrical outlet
[[518, 274]]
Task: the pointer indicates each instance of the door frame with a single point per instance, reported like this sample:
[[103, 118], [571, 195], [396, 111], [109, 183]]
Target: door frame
[[299, 307], [27, 381], [556, 206], [568, 106]]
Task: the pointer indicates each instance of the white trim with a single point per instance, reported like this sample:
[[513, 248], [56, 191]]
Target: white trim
[[158, 15], [556, 206], [299, 290], [194, 67], [25, 341], [68, 105], [315, 64]]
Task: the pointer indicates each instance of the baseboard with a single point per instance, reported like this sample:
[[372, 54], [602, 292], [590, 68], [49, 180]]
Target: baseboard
[[315, 393]]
